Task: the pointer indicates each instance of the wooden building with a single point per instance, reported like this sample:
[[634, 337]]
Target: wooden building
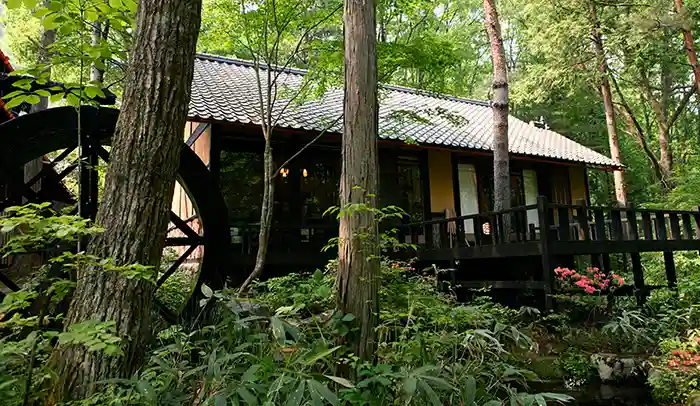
[[434, 159]]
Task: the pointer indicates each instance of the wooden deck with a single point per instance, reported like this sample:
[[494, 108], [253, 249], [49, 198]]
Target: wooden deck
[[571, 230]]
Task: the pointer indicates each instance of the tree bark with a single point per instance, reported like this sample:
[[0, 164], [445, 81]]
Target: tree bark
[[499, 107], [358, 251], [689, 45], [660, 109], [139, 187], [606, 95], [100, 32], [266, 212]]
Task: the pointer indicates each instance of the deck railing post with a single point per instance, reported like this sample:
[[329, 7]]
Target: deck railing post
[[582, 218], [547, 271]]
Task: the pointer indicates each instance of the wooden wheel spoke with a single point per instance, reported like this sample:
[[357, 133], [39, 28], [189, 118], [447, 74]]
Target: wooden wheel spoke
[[187, 221], [67, 170], [183, 241], [183, 226], [8, 282], [102, 153], [175, 265]]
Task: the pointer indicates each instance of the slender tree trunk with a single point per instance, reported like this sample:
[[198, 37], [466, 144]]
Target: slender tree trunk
[[662, 119], [138, 190], [689, 45], [606, 95], [100, 33], [358, 251], [660, 109], [46, 39], [499, 106], [27, 264], [266, 212]]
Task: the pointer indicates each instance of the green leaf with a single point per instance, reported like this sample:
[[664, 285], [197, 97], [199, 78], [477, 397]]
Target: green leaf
[[278, 329], [324, 392], [14, 102], [248, 397], [470, 391], [50, 22], [297, 396], [54, 98], [32, 99], [348, 317], [90, 15], [30, 4], [323, 354], [206, 291], [430, 393], [541, 401], [409, 386], [14, 4], [341, 381], [116, 4]]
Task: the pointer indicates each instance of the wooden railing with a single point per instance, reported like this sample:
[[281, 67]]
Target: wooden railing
[[475, 230], [571, 229]]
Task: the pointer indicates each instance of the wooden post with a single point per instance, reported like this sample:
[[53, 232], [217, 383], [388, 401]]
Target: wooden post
[[670, 269], [582, 218], [543, 215], [640, 289]]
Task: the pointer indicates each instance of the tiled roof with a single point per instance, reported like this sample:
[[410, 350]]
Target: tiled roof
[[227, 90]]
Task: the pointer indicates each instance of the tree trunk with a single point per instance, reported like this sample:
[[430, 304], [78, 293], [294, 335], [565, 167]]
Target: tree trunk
[[358, 250], [28, 264], [139, 187], [266, 211], [619, 179], [99, 33], [689, 45], [499, 107], [660, 109]]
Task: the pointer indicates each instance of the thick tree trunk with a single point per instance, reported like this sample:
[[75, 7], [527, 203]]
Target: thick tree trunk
[[499, 106], [139, 188], [358, 251], [689, 45], [266, 211], [606, 95]]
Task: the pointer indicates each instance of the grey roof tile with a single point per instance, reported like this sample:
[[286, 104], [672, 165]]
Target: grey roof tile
[[227, 90]]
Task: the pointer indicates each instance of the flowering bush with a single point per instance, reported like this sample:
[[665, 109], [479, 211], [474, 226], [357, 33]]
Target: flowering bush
[[677, 371], [590, 281]]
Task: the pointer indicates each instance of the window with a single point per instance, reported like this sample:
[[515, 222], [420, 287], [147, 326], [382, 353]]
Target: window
[[320, 183], [241, 180], [410, 188], [517, 189]]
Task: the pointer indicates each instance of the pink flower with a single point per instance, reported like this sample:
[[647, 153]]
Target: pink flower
[[589, 289]]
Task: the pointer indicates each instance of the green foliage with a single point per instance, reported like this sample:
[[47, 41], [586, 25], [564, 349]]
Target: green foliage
[[575, 365], [93, 335], [37, 226]]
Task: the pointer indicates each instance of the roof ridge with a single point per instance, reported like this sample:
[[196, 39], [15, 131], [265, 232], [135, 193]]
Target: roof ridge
[[245, 62], [411, 90]]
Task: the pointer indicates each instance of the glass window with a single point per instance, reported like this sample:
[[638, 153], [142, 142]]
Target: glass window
[[320, 183], [241, 183], [410, 187]]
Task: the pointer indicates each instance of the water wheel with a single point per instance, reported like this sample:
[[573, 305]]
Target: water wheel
[[198, 236]]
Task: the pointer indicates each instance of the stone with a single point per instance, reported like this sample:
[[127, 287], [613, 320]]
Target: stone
[[616, 368]]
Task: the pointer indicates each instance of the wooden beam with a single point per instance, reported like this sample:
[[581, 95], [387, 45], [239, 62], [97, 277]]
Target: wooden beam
[[196, 133], [670, 266]]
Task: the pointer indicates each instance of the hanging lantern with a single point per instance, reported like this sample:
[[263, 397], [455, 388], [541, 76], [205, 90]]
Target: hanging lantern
[[284, 172], [486, 228], [305, 173]]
